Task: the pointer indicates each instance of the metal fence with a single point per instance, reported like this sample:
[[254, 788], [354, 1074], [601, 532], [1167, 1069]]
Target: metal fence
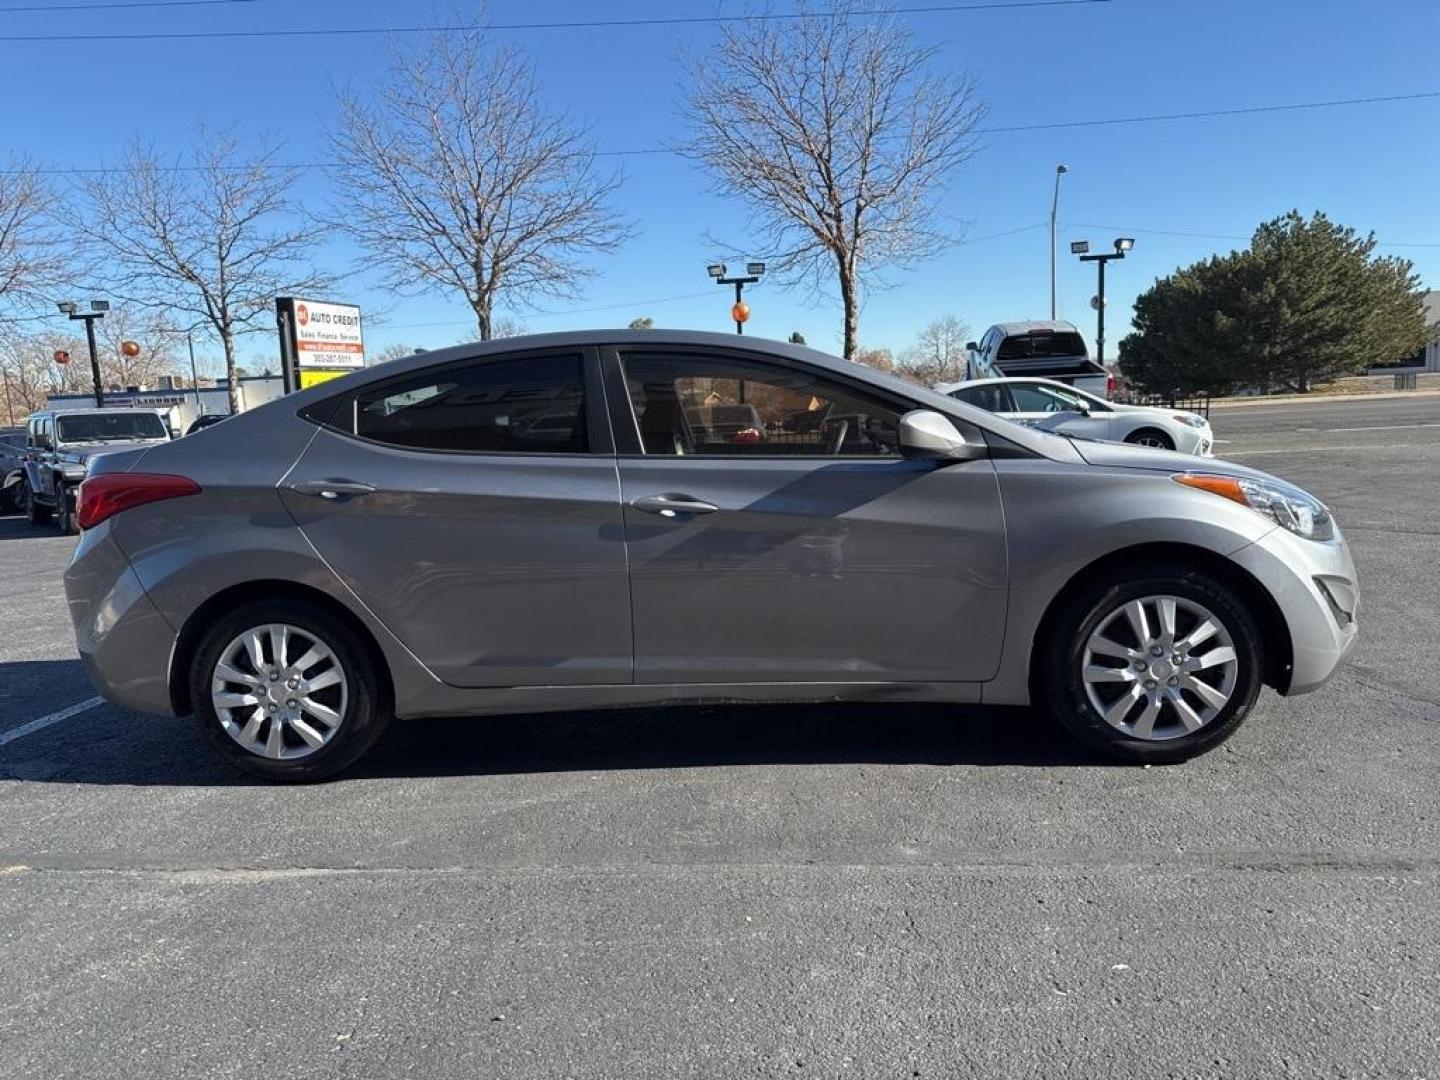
[[1196, 403]]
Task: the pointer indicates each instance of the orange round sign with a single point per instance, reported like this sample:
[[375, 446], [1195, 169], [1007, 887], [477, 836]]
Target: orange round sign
[[61, 356], [740, 312], [130, 348]]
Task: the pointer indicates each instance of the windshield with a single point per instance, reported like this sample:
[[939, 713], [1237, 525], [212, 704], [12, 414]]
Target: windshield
[[105, 427]]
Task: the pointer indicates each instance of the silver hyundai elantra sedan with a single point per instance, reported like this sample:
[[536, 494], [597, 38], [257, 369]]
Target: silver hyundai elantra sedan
[[615, 518]]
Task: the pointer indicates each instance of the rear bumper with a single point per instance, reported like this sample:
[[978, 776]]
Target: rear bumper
[[125, 643], [1315, 588]]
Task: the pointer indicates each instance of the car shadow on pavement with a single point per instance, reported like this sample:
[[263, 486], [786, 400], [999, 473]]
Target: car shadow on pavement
[[723, 735], [105, 745]]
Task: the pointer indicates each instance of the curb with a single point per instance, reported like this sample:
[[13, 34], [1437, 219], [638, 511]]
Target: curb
[[1310, 399]]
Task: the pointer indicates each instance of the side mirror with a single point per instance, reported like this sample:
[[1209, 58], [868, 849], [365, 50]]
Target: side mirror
[[1081, 406], [972, 347], [925, 433]]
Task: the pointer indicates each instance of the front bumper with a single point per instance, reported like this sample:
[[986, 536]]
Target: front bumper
[[1313, 584], [125, 643]]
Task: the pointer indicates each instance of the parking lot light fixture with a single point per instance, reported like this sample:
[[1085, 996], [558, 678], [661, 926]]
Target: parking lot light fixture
[[1082, 248], [739, 311], [98, 308]]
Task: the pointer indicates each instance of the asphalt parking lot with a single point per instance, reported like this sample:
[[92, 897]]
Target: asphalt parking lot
[[876, 890]]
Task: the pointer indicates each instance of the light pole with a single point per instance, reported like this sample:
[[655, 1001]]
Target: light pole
[[194, 375], [98, 308], [1060, 170], [1082, 248], [9, 409], [753, 272]]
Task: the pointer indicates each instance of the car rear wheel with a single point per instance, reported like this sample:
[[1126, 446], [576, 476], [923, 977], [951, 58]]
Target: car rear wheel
[[1156, 666], [285, 690], [1151, 437]]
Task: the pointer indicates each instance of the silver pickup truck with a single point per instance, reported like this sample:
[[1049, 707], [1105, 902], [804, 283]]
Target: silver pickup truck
[[59, 446]]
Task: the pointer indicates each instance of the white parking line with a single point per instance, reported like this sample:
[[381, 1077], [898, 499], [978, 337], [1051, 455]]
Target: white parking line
[[43, 722], [1382, 427]]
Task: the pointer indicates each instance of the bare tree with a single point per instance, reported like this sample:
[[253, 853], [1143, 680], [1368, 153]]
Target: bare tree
[[29, 371], [397, 350], [213, 240], [939, 352], [835, 131], [460, 179], [30, 252], [152, 331]]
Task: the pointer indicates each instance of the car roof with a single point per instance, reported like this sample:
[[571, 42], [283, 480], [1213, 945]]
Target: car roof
[[1013, 379], [1028, 326], [94, 411]]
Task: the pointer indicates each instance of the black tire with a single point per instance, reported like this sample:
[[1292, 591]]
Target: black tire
[[1151, 437], [36, 513], [366, 710], [17, 495], [1058, 686], [65, 511]]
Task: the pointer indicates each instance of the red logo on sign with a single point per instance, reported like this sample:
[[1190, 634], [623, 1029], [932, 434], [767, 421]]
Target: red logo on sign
[[302, 314]]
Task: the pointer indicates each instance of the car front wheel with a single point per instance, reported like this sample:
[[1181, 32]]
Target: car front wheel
[[1157, 665], [65, 511], [36, 512], [285, 690], [1153, 437]]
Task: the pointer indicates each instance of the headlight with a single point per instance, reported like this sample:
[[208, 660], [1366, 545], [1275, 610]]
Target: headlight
[[1191, 420], [1301, 513]]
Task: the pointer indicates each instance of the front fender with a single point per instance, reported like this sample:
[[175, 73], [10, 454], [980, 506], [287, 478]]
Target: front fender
[[1059, 521]]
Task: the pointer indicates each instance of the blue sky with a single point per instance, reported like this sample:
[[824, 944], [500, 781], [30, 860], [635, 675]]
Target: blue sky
[[1372, 166]]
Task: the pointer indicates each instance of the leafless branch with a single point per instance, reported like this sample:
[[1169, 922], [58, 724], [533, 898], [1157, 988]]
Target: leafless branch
[[213, 245], [838, 135], [31, 256], [460, 179]]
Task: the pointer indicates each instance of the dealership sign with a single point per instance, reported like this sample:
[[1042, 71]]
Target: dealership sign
[[318, 340]]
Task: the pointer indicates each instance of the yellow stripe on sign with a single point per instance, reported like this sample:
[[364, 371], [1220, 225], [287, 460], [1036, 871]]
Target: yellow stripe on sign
[[311, 377]]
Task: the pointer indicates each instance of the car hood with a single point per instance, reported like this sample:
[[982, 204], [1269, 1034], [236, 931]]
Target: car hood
[[1130, 456], [83, 452]]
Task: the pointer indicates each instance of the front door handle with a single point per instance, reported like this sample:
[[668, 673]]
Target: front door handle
[[333, 489], [673, 505]]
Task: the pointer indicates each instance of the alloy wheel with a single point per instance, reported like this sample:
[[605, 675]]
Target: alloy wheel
[[1159, 667], [279, 691]]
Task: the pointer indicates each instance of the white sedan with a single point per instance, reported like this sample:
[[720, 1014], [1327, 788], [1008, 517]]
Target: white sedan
[[1056, 407]]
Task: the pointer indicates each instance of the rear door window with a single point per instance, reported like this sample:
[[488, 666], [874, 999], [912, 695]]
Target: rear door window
[[990, 398], [528, 405], [1041, 345]]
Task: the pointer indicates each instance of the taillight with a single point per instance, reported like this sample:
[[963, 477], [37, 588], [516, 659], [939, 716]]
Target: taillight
[[1109, 386], [104, 496]]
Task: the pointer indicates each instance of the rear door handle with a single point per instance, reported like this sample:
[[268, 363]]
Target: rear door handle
[[673, 505], [333, 489]]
